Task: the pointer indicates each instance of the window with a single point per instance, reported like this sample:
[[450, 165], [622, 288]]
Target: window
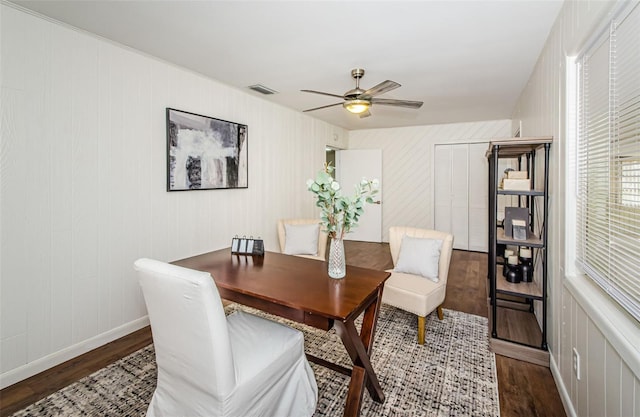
[[608, 214], [630, 183]]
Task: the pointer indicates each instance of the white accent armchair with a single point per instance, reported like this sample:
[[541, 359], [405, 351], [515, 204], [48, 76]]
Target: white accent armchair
[[213, 365], [412, 292], [299, 237]]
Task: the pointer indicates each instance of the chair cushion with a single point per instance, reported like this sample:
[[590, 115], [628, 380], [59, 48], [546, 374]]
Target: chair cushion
[[276, 341], [274, 377], [419, 256], [413, 293], [301, 239]]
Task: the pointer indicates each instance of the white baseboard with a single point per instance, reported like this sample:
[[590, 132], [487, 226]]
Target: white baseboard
[[42, 364], [562, 389]]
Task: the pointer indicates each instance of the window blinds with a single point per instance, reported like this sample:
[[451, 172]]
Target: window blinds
[[609, 161]]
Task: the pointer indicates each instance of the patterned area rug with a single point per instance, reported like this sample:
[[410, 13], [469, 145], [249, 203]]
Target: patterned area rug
[[453, 374]]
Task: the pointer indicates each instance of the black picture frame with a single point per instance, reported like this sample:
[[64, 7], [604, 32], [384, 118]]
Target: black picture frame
[[205, 153], [247, 246]]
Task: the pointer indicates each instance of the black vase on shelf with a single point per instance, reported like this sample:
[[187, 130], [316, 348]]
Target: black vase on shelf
[[527, 271], [514, 273], [526, 265]]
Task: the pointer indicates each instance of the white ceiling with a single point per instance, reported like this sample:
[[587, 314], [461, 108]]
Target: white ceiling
[[467, 60]]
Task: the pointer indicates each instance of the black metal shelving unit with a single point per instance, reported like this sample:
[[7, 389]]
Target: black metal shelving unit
[[504, 294]]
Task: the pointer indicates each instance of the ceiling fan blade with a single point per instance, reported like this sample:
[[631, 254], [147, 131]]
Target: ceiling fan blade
[[383, 87], [365, 114], [399, 103], [323, 93], [322, 107]]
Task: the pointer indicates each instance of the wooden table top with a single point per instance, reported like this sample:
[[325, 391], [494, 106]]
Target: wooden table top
[[292, 281]]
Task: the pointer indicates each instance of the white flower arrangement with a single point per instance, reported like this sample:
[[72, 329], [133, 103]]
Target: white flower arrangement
[[339, 213]]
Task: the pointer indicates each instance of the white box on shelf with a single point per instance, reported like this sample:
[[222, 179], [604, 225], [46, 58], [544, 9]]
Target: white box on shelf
[[516, 184], [517, 175], [519, 229]]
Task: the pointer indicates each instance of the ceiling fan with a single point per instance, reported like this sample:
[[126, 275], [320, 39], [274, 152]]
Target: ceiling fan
[[359, 101]]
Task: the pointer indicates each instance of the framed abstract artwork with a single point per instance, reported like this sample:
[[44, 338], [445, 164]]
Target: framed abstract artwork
[[204, 153]]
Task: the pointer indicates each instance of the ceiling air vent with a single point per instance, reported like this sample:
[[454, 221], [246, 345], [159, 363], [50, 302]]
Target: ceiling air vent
[[262, 89]]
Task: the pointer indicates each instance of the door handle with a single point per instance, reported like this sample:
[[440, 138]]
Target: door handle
[[377, 202]]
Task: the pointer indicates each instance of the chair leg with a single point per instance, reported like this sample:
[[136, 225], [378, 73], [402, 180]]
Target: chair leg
[[421, 324], [440, 313]]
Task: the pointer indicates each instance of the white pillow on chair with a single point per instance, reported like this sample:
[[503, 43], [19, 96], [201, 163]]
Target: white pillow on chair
[[419, 256], [301, 239]]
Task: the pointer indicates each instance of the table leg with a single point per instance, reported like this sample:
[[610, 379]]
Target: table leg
[[367, 331], [354, 395], [359, 348], [369, 322]]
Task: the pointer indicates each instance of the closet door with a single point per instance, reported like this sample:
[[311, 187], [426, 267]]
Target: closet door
[[478, 202], [460, 194], [452, 192]]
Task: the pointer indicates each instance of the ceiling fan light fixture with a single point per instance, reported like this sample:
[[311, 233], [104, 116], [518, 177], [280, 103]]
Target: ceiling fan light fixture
[[357, 106], [359, 101]]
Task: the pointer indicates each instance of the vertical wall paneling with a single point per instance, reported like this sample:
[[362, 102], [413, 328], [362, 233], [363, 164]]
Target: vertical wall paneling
[[84, 211], [37, 186], [613, 378], [14, 295], [58, 100], [582, 346], [83, 184], [595, 365], [565, 362]]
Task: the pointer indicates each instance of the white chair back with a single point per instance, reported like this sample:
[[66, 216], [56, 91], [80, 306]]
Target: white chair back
[[190, 332], [322, 237], [213, 365]]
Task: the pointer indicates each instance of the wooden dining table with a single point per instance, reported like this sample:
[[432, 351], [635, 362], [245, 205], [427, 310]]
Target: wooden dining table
[[300, 289]]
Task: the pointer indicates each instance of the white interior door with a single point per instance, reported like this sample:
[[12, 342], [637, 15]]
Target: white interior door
[[460, 194], [351, 167], [478, 197], [451, 198]]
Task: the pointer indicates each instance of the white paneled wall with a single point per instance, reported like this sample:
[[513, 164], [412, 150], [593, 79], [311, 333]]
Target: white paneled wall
[[83, 184], [407, 165], [580, 315]]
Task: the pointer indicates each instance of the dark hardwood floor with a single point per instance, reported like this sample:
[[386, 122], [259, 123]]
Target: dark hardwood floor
[[525, 389]]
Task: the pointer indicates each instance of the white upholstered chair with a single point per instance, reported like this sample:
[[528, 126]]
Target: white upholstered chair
[[213, 365], [300, 237], [411, 290]]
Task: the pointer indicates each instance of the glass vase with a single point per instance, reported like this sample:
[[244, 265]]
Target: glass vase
[[337, 268]]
